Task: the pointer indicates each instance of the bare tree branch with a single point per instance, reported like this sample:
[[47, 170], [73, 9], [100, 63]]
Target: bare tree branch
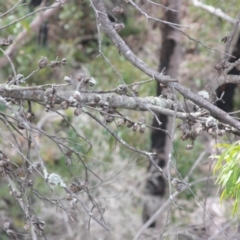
[[216, 11], [155, 104], [34, 26], [125, 51]]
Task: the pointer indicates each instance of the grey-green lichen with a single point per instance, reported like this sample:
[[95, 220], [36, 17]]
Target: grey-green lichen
[[204, 94], [155, 100], [53, 179]]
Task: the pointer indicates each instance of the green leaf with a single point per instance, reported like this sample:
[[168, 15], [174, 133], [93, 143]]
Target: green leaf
[[226, 178], [235, 207], [228, 169]]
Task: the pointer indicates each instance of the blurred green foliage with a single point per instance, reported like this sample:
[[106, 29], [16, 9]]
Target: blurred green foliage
[[73, 35], [227, 168]]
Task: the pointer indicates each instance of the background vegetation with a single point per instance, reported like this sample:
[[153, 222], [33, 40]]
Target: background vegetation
[[72, 34]]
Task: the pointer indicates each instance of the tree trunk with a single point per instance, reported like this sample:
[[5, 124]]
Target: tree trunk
[[160, 141], [227, 100]]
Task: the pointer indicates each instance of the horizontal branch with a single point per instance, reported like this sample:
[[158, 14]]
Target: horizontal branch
[[153, 104]]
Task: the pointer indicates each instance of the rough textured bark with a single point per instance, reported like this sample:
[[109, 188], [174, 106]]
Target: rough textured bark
[[169, 64], [229, 88]]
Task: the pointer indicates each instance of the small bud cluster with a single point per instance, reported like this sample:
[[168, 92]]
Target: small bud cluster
[[191, 129], [106, 111], [135, 89], [73, 101], [38, 224], [76, 100], [15, 194], [187, 130], [212, 127], [34, 166], [6, 41], [136, 126], [178, 184], [85, 81], [76, 186], [118, 26], [117, 10], [50, 97], [5, 167], [43, 63], [122, 89], [22, 173]]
